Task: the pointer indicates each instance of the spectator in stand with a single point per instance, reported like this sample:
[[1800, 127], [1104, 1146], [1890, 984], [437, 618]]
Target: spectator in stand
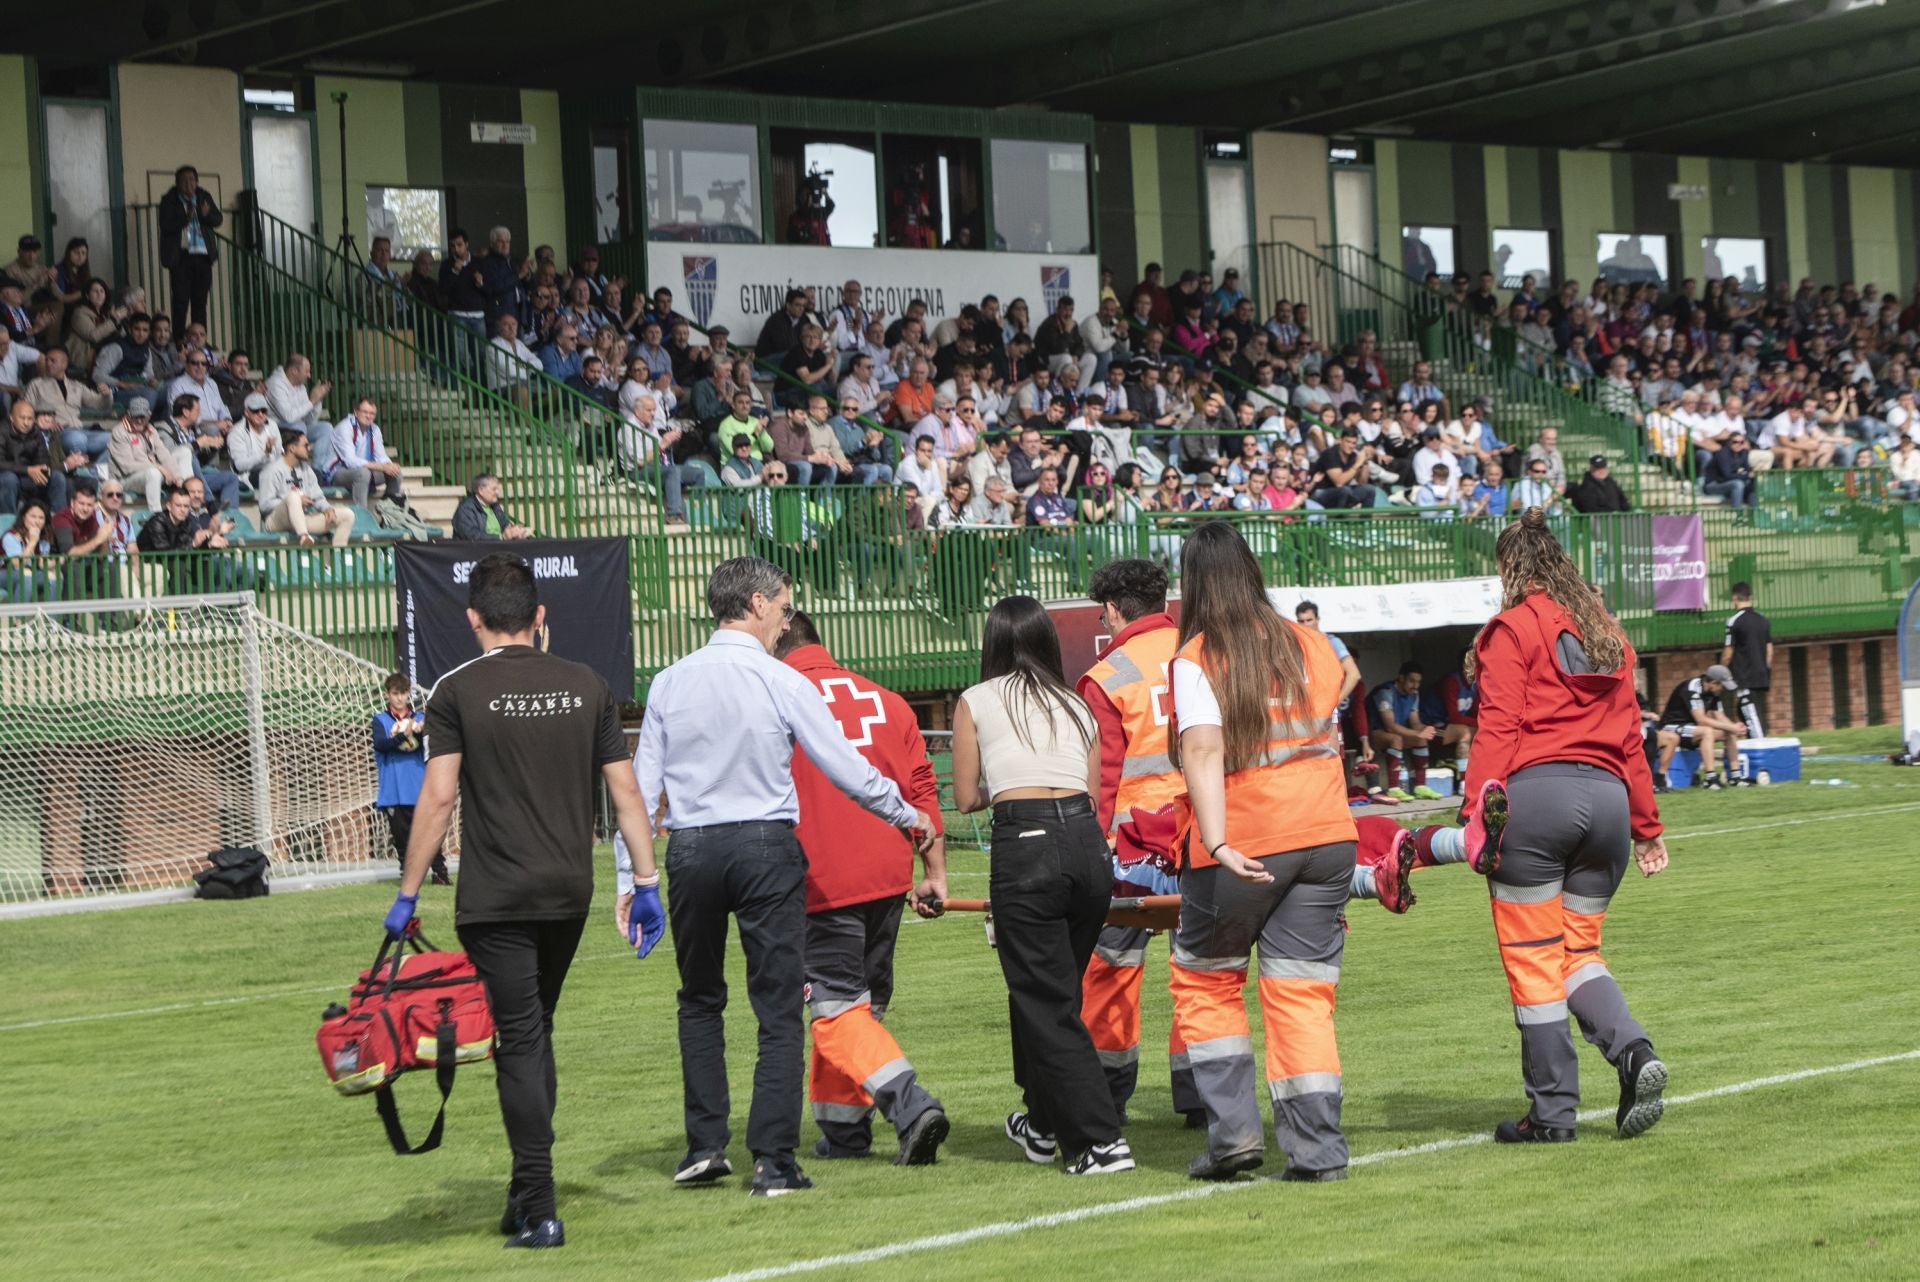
[[26, 538], [809, 365], [1104, 337], [1438, 490], [1336, 474], [1058, 342], [255, 440], [861, 387], [1903, 465], [1420, 388], [923, 471], [1597, 491], [1792, 430], [1536, 489], [560, 358], [952, 438], [913, 397], [297, 403], [92, 323], [422, 284], [482, 514], [138, 460], [1546, 449], [197, 381], [648, 451], [1489, 496], [360, 459], [511, 363], [827, 461], [865, 445], [1729, 473], [188, 248], [1159, 307], [381, 288], [496, 275], [17, 322], [741, 423], [68, 398], [1048, 506], [80, 529], [291, 501], [173, 529], [29, 472], [125, 365], [780, 332]]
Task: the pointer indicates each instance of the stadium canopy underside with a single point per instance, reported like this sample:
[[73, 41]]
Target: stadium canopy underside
[[1792, 80]]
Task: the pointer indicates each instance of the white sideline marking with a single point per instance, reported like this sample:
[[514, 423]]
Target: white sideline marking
[[1007, 1228], [163, 1010], [1795, 823]]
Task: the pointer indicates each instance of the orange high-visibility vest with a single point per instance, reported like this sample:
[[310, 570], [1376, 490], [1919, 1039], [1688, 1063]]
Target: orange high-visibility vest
[[1297, 795], [1134, 676]]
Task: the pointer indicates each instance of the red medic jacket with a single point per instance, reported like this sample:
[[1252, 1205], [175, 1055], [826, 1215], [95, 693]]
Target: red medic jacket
[[854, 857], [1532, 712]]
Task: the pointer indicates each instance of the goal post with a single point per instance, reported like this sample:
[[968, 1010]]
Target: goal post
[[138, 736]]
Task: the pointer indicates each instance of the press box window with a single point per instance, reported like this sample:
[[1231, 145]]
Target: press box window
[[824, 187], [703, 181], [1040, 198]]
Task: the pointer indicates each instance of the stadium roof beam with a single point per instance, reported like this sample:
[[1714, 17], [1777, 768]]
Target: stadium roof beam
[[745, 39], [1479, 63]]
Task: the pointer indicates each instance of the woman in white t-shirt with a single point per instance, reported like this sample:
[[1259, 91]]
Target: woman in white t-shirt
[[1025, 742]]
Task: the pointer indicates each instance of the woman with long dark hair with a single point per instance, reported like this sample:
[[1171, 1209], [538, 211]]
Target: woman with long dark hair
[[1026, 742], [1268, 850], [1559, 723]]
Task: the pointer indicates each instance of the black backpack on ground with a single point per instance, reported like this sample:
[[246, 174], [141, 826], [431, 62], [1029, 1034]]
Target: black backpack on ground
[[237, 872]]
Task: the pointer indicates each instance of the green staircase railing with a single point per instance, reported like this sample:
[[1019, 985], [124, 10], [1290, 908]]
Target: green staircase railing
[[1359, 293]]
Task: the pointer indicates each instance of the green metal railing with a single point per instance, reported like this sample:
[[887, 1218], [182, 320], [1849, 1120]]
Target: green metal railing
[[1360, 293], [906, 606], [289, 293]]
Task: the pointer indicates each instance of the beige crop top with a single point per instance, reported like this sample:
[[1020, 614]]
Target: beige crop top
[[1060, 741]]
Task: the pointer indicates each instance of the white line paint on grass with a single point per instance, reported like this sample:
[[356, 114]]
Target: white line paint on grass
[[1795, 823], [1008, 1228]]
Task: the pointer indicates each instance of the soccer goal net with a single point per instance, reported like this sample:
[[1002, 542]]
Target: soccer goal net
[[138, 736]]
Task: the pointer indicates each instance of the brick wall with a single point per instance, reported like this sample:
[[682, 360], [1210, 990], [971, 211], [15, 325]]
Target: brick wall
[[1826, 707]]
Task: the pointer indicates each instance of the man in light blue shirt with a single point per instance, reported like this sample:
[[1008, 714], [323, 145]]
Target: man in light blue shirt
[[717, 744]]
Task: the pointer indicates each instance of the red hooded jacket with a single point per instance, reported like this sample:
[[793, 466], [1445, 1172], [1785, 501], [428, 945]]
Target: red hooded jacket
[[854, 857], [1532, 711]]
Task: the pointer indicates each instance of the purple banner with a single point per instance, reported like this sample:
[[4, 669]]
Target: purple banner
[[1679, 563]]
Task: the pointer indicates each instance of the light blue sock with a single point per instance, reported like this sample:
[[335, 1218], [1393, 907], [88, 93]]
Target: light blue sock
[[1449, 846], [1361, 887]]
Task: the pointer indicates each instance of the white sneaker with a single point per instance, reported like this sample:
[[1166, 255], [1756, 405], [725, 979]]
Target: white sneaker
[[1103, 1159], [1040, 1149]]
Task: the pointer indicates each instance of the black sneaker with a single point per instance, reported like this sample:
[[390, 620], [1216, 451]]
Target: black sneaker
[[1711, 782], [920, 1142], [772, 1178], [1643, 1079], [547, 1233], [511, 1220], [1039, 1149], [1196, 1119], [827, 1150], [1103, 1159], [1299, 1175], [1528, 1131], [702, 1168], [1208, 1167]]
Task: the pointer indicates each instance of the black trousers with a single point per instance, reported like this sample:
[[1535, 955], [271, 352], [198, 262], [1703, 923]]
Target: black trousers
[[755, 873], [192, 280], [400, 830], [1051, 884], [523, 964]]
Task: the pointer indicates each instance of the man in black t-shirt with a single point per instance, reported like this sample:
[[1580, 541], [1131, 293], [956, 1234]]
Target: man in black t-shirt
[[1340, 473], [521, 737], [1748, 649], [1696, 712]]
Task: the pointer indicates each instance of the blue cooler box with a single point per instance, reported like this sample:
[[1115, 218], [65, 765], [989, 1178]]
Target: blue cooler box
[[1684, 766], [1769, 760]]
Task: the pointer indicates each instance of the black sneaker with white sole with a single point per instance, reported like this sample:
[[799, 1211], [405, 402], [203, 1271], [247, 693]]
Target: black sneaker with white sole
[[1643, 1080], [1039, 1149], [702, 1168], [1103, 1159], [775, 1178], [1528, 1131]]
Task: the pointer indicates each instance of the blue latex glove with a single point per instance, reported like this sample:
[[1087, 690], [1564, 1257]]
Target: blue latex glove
[[647, 921], [400, 914]]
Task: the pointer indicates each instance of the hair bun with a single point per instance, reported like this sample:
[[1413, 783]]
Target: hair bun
[[1534, 518]]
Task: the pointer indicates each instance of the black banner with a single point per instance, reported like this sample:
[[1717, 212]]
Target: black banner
[[583, 584]]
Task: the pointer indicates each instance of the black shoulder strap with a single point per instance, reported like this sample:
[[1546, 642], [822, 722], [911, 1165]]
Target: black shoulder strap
[[442, 1076]]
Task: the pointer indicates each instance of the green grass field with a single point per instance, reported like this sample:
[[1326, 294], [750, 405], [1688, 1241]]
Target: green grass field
[[163, 1113]]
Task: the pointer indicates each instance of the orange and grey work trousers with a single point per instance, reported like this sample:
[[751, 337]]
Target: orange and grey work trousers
[[1110, 1008], [1563, 855], [856, 1063], [1294, 922]]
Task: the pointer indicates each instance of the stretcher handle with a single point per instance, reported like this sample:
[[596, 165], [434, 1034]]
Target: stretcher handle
[[1128, 901]]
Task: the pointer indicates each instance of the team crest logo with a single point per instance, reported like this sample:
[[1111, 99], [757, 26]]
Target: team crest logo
[[701, 274], [1055, 283]]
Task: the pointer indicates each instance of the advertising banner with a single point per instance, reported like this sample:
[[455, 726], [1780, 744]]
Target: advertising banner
[[1679, 563], [583, 584], [739, 286]]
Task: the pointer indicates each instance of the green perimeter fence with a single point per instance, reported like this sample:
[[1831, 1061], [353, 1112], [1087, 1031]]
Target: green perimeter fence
[[906, 606]]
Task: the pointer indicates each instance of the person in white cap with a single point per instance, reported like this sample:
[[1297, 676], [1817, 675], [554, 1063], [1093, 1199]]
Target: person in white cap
[[255, 440]]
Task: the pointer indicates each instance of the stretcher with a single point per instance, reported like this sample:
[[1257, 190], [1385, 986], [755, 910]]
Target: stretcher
[[1141, 912]]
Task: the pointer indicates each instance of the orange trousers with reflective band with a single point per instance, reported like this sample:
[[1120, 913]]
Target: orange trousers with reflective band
[[1110, 1008]]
